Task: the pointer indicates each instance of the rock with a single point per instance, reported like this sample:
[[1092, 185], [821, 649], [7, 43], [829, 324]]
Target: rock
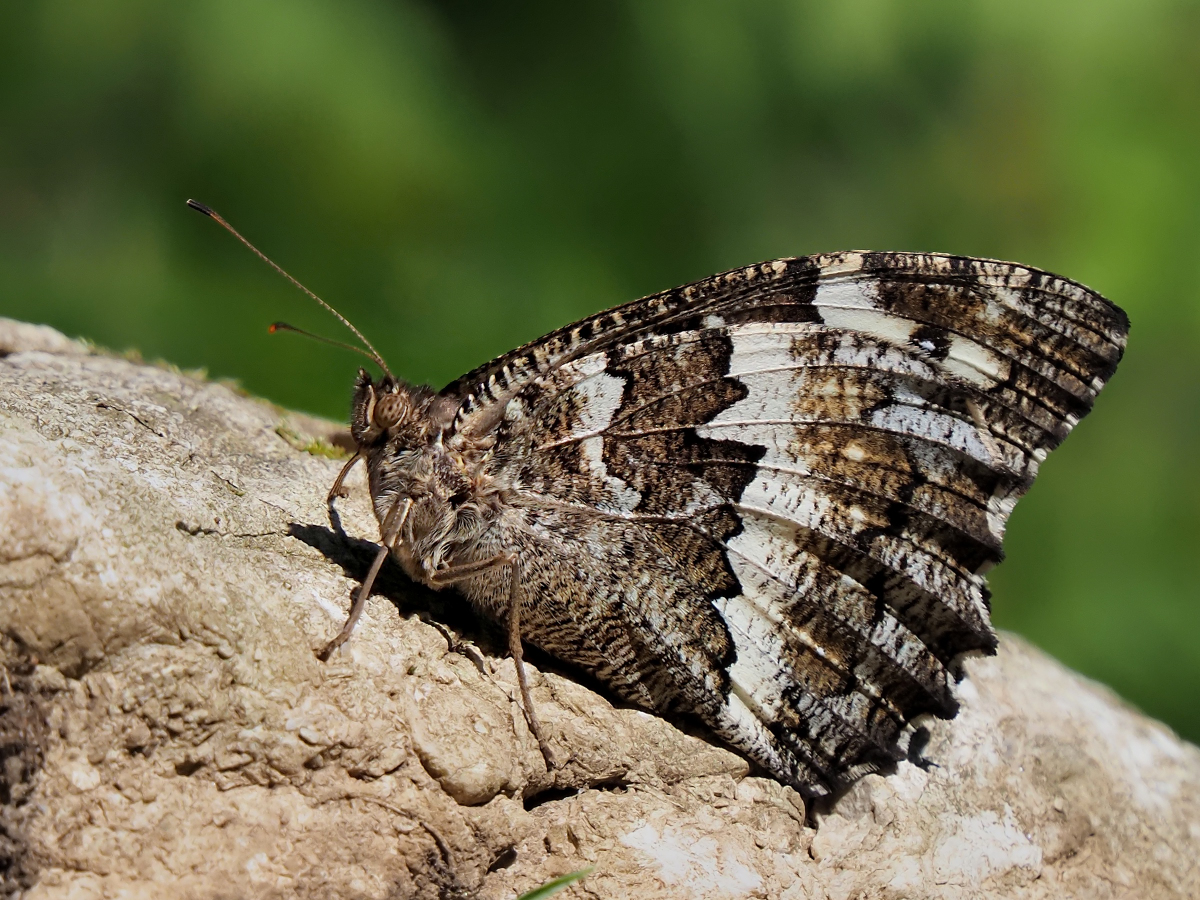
[[167, 570]]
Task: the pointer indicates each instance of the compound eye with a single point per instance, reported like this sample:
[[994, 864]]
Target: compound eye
[[389, 410]]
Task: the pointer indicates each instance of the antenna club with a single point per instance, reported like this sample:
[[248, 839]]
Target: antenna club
[[372, 355], [284, 326]]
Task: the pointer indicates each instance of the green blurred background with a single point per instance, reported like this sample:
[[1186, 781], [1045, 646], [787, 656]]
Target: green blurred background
[[461, 177]]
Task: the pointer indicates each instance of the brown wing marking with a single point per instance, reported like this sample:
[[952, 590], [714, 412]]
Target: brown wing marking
[[778, 504], [1015, 306]]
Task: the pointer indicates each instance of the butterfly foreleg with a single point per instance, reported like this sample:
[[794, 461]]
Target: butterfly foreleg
[[393, 526], [337, 490], [467, 570]]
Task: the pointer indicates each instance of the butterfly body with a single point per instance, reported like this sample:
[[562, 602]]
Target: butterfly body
[[765, 500]]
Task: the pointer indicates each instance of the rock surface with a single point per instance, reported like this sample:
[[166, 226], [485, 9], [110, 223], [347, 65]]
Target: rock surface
[[167, 570]]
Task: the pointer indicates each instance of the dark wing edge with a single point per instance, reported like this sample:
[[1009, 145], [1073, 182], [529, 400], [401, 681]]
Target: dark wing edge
[[784, 290]]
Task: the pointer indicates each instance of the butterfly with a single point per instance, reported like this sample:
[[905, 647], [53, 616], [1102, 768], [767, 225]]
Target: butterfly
[[766, 500]]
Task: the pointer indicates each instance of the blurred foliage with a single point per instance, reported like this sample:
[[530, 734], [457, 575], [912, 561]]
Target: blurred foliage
[[460, 177]]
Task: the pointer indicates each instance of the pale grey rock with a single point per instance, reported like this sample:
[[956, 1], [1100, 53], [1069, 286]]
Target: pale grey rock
[[167, 570], [25, 336]]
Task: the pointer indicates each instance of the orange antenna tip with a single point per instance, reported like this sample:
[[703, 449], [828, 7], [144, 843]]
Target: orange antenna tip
[[284, 326], [371, 353]]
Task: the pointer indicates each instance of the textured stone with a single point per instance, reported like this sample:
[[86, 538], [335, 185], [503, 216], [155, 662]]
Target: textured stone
[[167, 570]]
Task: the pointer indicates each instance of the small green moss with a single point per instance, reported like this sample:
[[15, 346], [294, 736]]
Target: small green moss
[[310, 445]]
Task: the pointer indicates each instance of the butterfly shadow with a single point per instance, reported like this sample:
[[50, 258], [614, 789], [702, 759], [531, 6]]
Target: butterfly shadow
[[452, 615], [446, 610]]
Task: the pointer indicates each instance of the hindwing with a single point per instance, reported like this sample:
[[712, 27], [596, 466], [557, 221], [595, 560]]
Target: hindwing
[[769, 498]]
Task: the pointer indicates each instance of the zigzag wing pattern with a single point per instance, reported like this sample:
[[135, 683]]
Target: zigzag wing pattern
[[768, 499]]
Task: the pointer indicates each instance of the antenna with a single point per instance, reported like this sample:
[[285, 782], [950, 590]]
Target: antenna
[[373, 355], [284, 326]]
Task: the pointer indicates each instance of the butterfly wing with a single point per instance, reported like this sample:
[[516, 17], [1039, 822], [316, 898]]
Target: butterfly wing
[[768, 499]]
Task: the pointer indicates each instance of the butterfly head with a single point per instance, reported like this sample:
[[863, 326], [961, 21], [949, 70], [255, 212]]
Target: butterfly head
[[388, 409]]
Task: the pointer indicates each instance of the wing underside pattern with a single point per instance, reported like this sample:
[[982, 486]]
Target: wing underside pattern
[[778, 489]]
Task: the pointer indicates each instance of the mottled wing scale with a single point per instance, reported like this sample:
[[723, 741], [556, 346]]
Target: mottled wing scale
[[776, 491]]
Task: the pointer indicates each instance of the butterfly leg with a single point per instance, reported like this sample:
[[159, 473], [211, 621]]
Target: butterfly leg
[[337, 490], [518, 655], [458, 573], [393, 525]]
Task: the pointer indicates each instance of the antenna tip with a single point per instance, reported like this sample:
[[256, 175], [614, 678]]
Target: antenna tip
[[279, 326], [200, 207]]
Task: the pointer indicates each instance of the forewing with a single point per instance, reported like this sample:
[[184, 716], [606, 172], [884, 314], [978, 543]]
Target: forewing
[[793, 477], [1038, 318]]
